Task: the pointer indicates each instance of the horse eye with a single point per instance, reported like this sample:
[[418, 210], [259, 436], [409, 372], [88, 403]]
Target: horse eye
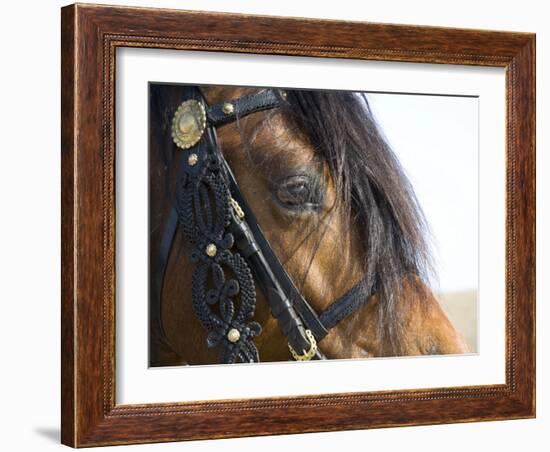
[[299, 192]]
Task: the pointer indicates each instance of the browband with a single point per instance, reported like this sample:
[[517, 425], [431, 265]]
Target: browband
[[235, 242]]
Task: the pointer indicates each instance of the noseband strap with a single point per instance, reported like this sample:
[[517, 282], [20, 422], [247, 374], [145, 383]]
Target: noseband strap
[[229, 248]]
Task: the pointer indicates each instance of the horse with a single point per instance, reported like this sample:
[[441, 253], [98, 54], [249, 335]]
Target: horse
[[337, 208]]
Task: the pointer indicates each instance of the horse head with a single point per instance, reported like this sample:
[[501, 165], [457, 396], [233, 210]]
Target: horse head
[[338, 211]]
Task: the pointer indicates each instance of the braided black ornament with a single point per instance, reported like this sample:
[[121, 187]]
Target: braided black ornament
[[223, 291]]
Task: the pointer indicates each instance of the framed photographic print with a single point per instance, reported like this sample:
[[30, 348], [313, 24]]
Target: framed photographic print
[[280, 225]]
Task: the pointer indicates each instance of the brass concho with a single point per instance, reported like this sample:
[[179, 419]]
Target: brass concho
[[188, 124]]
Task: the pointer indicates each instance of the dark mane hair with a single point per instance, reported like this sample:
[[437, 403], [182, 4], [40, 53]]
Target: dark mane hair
[[376, 194]]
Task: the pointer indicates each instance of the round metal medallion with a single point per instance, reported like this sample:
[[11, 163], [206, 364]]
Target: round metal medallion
[[188, 124]]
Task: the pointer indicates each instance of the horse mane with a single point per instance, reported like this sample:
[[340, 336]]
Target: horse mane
[[377, 196]]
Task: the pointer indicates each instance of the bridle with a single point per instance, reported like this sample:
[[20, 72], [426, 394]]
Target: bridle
[[230, 251]]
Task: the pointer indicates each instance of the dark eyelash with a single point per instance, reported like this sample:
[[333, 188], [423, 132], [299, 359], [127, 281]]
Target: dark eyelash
[[315, 192]]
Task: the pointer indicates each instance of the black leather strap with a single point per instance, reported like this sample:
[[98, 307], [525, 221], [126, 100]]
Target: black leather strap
[[252, 244], [281, 307], [347, 304], [229, 111], [158, 281], [307, 313]]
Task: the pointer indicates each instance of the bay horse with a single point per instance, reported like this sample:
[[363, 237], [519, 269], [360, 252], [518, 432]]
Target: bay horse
[[337, 208]]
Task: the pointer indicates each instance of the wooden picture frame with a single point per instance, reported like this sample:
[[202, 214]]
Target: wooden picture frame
[[90, 36]]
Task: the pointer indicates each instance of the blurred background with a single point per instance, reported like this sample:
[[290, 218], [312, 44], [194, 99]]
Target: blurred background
[[436, 140]]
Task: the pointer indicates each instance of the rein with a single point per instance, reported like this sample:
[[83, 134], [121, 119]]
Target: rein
[[229, 248]]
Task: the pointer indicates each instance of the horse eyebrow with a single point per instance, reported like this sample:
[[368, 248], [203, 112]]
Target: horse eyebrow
[[274, 144], [313, 171]]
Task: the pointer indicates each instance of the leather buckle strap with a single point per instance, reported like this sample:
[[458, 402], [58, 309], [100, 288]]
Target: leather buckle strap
[[305, 356]]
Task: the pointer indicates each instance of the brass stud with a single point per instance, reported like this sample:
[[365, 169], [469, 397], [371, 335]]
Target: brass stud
[[233, 335], [228, 108], [211, 250], [193, 159]]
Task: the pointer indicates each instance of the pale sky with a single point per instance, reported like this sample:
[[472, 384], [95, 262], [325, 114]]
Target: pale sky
[[436, 140]]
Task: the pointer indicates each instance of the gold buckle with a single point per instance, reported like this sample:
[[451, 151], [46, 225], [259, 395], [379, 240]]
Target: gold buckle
[[306, 356], [236, 208]]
